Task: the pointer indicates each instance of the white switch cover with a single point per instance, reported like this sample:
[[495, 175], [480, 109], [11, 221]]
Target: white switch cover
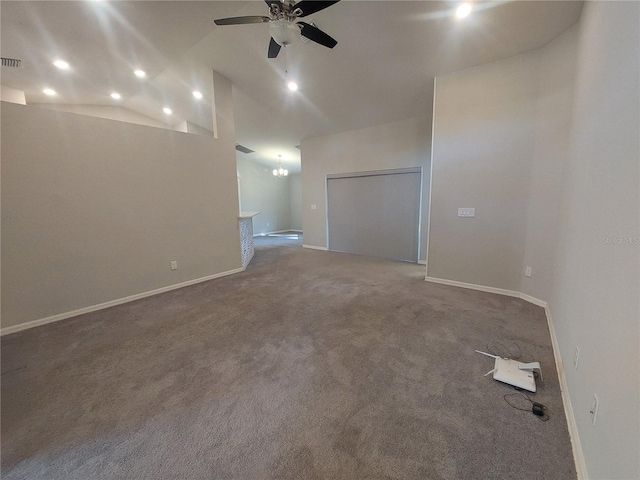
[[466, 212], [313, 206], [527, 272], [174, 265]]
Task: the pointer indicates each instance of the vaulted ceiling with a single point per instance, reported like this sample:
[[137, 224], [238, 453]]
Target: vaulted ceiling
[[380, 71]]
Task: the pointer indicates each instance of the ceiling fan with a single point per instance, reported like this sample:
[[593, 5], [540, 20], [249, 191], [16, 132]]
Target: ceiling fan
[[283, 26]]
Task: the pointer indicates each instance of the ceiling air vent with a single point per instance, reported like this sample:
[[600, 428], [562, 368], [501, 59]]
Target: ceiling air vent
[[243, 149], [11, 62]]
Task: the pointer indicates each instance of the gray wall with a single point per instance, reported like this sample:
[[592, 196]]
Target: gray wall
[[594, 296], [546, 146], [295, 201], [261, 191], [95, 210], [396, 145]]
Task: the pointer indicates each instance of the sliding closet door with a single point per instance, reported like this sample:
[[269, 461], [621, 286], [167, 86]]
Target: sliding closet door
[[375, 214]]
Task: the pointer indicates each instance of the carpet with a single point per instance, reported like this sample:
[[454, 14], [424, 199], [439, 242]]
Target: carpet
[[308, 365]]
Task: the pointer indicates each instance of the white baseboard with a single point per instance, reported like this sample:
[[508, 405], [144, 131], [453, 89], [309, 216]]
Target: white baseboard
[[473, 286], [112, 303], [276, 231], [534, 300], [578, 454], [422, 262], [313, 247]]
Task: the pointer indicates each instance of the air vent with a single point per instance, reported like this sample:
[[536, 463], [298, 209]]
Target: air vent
[[243, 149], [11, 62]]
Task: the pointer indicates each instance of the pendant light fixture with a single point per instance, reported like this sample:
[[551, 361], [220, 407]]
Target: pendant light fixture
[[280, 172]]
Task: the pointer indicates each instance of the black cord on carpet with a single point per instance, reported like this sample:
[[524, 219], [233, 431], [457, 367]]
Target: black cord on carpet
[[513, 353], [538, 409]]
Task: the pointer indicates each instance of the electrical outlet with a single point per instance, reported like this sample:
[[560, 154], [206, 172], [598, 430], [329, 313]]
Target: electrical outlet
[[467, 212], [594, 409], [527, 271], [313, 207], [576, 357], [174, 265]]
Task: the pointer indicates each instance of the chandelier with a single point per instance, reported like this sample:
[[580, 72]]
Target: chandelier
[[280, 172]]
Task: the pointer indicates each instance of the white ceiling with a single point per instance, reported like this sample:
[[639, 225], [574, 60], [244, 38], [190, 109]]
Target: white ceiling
[[380, 71]]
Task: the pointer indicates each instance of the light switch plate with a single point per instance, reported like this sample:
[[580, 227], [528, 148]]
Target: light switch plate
[[467, 212]]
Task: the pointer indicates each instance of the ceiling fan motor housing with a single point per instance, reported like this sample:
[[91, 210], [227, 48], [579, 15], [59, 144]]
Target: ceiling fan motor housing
[[284, 32]]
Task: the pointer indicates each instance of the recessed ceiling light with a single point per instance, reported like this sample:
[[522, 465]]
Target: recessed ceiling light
[[61, 64], [167, 110], [140, 73], [116, 96], [463, 10], [293, 86], [197, 94], [48, 91]]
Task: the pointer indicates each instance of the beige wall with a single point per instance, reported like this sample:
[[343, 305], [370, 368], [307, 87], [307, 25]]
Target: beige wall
[[261, 192], [110, 112], [482, 153], [546, 146], [500, 140], [594, 297], [396, 145], [295, 201], [12, 95], [94, 210], [556, 78], [198, 130]]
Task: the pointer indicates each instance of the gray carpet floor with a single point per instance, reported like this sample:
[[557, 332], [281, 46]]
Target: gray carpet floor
[[308, 365]]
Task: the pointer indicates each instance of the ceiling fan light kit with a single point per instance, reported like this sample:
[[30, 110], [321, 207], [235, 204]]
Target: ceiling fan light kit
[[284, 27], [284, 32]]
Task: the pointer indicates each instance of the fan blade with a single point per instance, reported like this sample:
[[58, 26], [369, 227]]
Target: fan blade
[[317, 35], [274, 49], [311, 6], [241, 20]]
